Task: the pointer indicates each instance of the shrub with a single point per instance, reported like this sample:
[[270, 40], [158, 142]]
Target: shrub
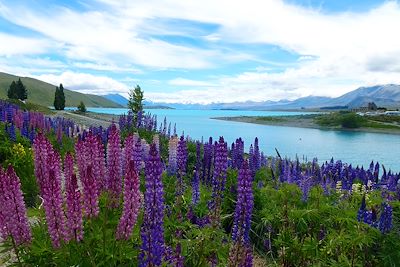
[[82, 107], [352, 120]]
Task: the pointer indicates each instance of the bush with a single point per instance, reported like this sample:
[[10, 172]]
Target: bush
[[352, 120], [82, 107]]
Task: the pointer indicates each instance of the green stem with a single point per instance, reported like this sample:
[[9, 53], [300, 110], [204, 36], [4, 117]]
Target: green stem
[[16, 250]]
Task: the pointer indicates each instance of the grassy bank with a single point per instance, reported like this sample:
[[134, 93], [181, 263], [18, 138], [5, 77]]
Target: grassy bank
[[331, 121]]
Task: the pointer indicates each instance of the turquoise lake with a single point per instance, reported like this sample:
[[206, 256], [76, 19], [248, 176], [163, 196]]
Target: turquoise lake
[[357, 148]]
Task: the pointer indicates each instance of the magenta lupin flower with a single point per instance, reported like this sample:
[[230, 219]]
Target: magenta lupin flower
[[68, 168], [48, 174], [129, 146], [13, 216], [53, 204], [73, 202], [131, 203], [114, 166], [90, 193], [74, 209], [41, 148], [91, 152]]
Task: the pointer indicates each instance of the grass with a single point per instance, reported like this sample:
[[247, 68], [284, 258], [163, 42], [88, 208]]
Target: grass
[[352, 120], [42, 93], [31, 106]]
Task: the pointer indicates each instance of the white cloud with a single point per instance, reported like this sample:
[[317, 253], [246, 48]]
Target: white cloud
[[188, 82], [14, 45], [85, 83], [106, 67], [337, 51]]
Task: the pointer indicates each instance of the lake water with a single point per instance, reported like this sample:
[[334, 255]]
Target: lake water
[[358, 148]]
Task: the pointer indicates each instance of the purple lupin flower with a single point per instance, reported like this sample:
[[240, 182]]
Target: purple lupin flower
[[207, 161], [13, 216], [114, 166], [196, 177], [256, 155], [219, 180], [138, 155], [240, 252], [244, 205], [152, 231], [172, 154], [385, 220], [131, 203], [181, 157], [74, 209]]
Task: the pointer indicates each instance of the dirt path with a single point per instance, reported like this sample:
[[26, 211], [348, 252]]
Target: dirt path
[[89, 119]]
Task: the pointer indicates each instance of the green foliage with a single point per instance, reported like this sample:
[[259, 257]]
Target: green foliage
[[81, 107], [352, 120], [17, 90], [12, 91], [20, 156], [286, 230], [59, 98], [135, 101], [341, 119]]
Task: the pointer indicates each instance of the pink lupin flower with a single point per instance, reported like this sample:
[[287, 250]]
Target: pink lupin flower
[[90, 192], [48, 174], [73, 201], [131, 203], [74, 209], [13, 217]]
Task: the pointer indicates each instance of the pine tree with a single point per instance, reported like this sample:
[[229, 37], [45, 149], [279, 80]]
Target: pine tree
[[135, 101], [12, 91], [59, 98], [21, 90], [62, 97]]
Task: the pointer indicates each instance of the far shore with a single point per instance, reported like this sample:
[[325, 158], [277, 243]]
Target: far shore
[[301, 121]]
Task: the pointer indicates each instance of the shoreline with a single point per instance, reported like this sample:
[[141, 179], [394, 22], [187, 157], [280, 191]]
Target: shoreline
[[301, 122]]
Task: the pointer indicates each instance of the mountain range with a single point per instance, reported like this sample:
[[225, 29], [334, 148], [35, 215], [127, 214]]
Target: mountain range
[[383, 95], [42, 93]]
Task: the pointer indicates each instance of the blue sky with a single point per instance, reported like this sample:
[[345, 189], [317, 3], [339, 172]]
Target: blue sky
[[204, 51]]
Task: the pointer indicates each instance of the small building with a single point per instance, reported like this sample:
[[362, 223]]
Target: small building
[[372, 106]]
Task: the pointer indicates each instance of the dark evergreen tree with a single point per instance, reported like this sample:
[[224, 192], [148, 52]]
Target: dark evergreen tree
[[59, 98], [62, 97], [12, 92], [21, 90]]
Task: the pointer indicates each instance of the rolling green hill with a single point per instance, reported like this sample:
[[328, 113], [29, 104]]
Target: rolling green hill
[[42, 93]]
